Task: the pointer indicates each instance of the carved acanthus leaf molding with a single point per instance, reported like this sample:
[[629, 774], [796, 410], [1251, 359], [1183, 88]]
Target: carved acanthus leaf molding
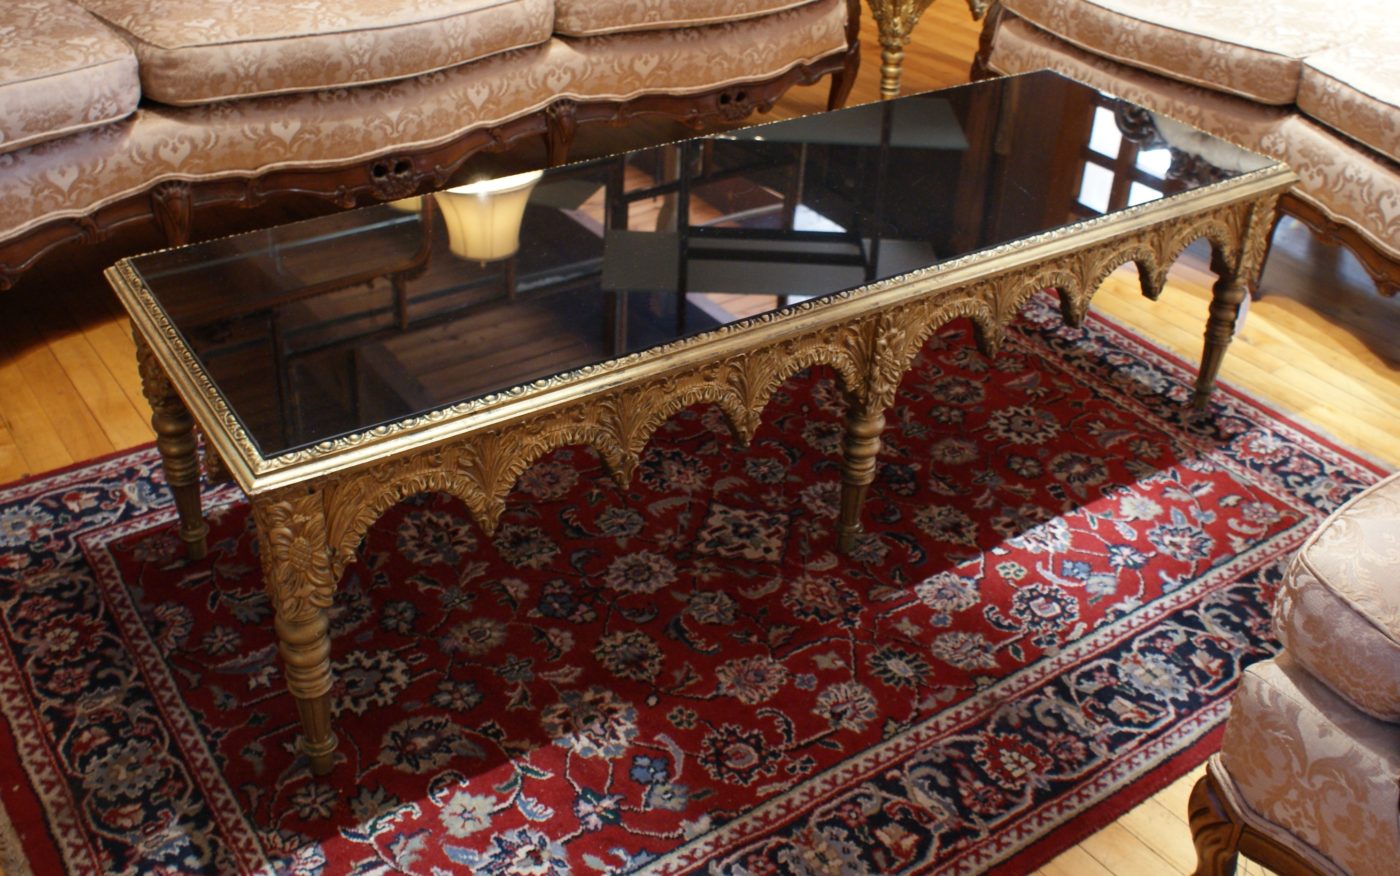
[[897, 19], [1255, 234], [772, 346], [154, 384], [482, 469], [871, 355]]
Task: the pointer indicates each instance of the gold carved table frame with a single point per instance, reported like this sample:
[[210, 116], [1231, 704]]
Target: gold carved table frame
[[313, 506]]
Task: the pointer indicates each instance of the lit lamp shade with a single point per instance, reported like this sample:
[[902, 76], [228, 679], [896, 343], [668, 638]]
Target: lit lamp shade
[[483, 218]]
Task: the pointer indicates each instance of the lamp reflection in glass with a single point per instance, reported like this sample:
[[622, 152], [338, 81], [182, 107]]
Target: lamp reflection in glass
[[483, 218]]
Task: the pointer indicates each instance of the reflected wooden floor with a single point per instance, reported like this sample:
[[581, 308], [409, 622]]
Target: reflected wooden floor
[[1320, 346]]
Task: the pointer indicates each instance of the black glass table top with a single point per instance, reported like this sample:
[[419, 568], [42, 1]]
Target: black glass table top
[[332, 326]]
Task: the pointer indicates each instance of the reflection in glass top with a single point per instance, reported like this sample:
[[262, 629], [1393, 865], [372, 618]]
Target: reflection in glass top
[[331, 326]]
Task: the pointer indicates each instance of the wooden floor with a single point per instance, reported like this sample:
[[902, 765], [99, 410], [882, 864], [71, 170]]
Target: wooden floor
[[1320, 346]]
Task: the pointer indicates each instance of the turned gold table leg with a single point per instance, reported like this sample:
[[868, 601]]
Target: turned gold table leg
[[306, 655], [1238, 271], [178, 449], [297, 573], [1225, 299], [894, 20], [857, 472]]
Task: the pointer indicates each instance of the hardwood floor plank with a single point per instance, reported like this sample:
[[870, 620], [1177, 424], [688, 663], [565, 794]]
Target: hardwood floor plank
[[12, 464], [1163, 832], [112, 341], [78, 431], [1119, 851], [1287, 387], [1355, 411], [1075, 862], [34, 435], [1346, 360], [45, 374], [1175, 798], [109, 333], [120, 420]]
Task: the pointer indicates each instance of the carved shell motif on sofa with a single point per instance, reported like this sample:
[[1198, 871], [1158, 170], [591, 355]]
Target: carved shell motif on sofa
[[1310, 82], [122, 111]]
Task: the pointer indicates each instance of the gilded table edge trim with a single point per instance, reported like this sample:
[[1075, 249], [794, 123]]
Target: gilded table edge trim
[[257, 474]]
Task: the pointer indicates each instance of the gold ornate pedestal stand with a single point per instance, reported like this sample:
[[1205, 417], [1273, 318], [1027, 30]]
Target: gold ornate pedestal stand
[[895, 21]]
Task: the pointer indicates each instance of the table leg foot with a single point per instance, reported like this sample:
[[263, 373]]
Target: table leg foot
[[1226, 297], [318, 740], [306, 655], [194, 532], [857, 472]]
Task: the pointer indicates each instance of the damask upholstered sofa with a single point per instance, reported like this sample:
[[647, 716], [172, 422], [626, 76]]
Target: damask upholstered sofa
[[1308, 775], [121, 111], [1312, 82]]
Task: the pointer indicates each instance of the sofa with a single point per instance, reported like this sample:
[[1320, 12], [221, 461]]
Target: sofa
[[1312, 83], [1307, 779], [115, 112]]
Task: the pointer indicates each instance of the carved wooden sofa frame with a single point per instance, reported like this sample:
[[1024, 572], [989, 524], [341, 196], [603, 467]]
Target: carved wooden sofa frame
[[171, 205]]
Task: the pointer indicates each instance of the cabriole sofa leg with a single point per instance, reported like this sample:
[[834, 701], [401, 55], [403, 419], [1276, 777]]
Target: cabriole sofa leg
[[1214, 830], [172, 204]]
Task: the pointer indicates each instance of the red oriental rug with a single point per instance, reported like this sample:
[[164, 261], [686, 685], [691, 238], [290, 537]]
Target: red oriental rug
[[1067, 571]]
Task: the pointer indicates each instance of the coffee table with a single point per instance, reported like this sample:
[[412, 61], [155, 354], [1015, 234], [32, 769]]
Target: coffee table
[[339, 365]]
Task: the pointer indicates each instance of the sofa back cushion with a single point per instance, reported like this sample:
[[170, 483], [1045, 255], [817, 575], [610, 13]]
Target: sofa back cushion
[[202, 51], [1338, 610], [1355, 89], [1254, 50], [579, 18], [61, 71]]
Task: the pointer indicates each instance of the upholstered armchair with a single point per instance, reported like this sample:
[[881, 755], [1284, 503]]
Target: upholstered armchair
[[1307, 779]]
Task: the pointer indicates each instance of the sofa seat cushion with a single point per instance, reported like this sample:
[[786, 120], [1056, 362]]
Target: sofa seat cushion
[[1254, 50], [1356, 90], [65, 71], [1350, 184], [592, 18], [1304, 760], [201, 51], [1338, 611], [624, 65], [246, 139], [1020, 48]]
